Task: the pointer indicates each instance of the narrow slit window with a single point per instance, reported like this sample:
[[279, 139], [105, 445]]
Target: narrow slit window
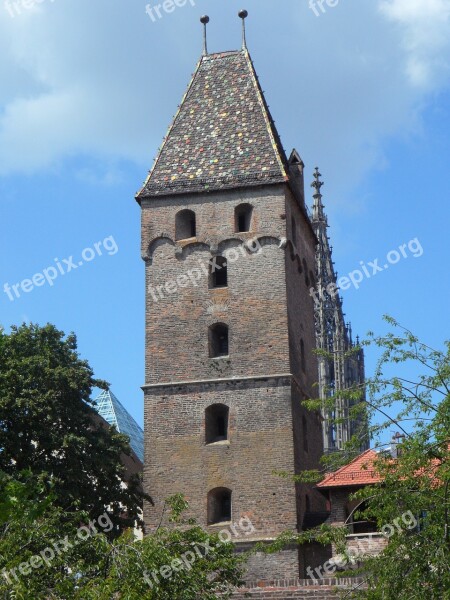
[[302, 356], [218, 272], [305, 267], [218, 340], [294, 231], [243, 218]]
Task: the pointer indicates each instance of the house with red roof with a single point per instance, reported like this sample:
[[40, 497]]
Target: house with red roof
[[338, 487]]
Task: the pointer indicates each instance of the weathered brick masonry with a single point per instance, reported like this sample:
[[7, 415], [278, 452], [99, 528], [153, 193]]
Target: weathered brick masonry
[[326, 589], [223, 151], [261, 382]]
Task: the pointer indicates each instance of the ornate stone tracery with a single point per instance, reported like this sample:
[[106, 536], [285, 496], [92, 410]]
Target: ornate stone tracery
[[346, 367]]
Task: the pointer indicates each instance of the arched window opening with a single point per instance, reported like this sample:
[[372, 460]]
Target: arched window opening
[[218, 340], [243, 218], [219, 506], [185, 225], [218, 272], [216, 423], [356, 521]]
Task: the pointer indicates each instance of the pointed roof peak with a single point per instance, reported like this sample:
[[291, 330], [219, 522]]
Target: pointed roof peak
[[295, 158], [223, 135], [225, 53]]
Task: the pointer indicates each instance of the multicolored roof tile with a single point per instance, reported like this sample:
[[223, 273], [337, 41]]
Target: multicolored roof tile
[[222, 136]]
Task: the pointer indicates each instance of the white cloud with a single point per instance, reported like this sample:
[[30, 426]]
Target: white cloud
[[99, 79], [424, 29]]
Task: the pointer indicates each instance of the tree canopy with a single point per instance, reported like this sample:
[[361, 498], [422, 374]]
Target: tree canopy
[[63, 505], [409, 393], [46, 553], [48, 426]]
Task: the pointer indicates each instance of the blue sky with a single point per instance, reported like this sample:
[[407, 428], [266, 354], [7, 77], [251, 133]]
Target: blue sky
[[89, 89]]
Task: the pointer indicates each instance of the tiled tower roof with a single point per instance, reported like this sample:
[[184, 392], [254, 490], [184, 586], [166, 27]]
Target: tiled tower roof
[[223, 135], [114, 413]]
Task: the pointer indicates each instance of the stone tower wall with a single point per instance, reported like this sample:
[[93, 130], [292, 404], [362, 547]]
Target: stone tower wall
[[268, 310]]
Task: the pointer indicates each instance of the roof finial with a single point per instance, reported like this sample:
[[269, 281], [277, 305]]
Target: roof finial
[[318, 213], [205, 21], [243, 14], [317, 184]]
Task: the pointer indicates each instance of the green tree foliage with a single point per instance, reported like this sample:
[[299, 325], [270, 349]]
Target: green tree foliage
[[409, 393], [62, 501], [30, 523], [183, 563], [48, 426]]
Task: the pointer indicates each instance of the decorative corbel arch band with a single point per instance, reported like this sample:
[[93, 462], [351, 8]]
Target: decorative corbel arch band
[[158, 241], [182, 252], [216, 247]]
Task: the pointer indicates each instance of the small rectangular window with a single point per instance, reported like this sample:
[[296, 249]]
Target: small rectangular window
[[218, 340], [243, 218], [218, 272], [216, 423], [219, 506]]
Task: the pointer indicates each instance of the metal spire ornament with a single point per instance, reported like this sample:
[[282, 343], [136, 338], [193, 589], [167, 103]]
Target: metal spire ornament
[[205, 21], [243, 14]]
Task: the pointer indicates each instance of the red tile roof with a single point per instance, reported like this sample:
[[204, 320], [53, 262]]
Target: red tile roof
[[359, 472]]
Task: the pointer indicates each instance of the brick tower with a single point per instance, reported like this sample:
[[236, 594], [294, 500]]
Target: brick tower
[[229, 256]]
